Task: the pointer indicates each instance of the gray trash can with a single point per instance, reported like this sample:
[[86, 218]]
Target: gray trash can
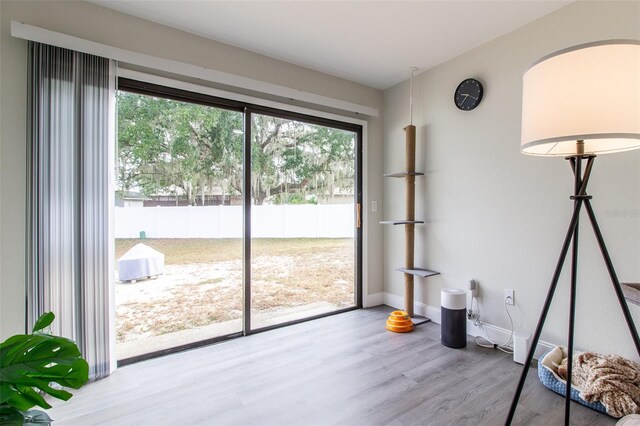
[[453, 327]]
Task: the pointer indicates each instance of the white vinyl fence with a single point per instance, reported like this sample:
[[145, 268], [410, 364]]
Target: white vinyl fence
[[282, 221]]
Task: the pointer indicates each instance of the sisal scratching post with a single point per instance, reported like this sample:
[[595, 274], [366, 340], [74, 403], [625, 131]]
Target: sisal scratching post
[[409, 229]]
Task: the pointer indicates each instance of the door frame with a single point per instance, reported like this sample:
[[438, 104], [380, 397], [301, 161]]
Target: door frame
[[309, 119], [247, 108]]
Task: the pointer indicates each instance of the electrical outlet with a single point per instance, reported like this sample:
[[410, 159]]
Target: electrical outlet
[[508, 296], [374, 206]]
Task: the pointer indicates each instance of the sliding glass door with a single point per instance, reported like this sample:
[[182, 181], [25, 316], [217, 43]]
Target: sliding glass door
[[229, 219], [178, 224], [303, 219]]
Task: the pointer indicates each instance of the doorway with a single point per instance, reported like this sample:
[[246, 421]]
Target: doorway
[[303, 219], [234, 219]]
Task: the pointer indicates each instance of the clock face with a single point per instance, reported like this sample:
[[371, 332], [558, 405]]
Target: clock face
[[468, 94]]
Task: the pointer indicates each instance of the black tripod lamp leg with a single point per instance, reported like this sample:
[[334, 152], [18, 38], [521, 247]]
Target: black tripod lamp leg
[[576, 165], [545, 310], [614, 277], [572, 316]]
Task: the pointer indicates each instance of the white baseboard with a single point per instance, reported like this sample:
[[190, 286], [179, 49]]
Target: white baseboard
[[501, 335], [421, 309], [394, 301], [497, 334], [371, 300]]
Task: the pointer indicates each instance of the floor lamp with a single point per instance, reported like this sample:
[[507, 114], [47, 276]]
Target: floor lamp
[[577, 103]]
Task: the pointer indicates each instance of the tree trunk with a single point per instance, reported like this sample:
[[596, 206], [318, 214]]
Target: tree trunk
[[204, 186]]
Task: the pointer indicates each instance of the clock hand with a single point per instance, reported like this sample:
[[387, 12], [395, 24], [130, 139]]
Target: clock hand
[[465, 98]]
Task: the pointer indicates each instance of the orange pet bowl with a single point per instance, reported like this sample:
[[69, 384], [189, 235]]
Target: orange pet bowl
[[399, 322]]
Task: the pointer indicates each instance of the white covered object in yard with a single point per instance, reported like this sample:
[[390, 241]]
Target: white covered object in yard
[[141, 261]]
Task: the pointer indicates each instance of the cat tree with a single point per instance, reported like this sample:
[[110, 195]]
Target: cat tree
[[409, 222]]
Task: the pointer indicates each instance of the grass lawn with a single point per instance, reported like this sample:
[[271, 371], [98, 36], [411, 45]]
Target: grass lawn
[[202, 283], [180, 251]]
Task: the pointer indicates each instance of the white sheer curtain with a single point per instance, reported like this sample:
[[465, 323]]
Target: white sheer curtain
[[70, 265]]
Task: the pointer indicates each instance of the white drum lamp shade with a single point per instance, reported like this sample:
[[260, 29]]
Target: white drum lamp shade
[[589, 92]]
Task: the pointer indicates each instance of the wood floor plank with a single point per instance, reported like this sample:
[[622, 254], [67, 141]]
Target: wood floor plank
[[340, 370]]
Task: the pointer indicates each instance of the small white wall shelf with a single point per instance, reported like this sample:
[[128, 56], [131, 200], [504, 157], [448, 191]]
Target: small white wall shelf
[[403, 174], [400, 222], [424, 273]]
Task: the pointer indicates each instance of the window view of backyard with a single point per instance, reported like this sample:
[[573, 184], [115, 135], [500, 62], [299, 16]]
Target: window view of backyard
[[179, 222]]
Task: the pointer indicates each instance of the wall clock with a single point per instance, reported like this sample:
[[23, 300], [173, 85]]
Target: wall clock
[[468, 94]]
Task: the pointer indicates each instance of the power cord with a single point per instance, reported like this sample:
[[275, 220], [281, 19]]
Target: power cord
[[486, 342], [474, 315]]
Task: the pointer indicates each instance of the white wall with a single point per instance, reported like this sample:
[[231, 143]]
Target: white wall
[[499, 216], [91, 22], [267, 221]]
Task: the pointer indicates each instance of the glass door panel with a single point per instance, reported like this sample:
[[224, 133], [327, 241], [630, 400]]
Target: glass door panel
[[178, 224], [303, 195]]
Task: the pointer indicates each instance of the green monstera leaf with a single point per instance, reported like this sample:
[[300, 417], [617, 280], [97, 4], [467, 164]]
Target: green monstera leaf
[[33, 361], [45, 320], [10, 416]]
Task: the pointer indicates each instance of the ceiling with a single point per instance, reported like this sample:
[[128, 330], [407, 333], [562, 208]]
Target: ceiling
[[370, 42]]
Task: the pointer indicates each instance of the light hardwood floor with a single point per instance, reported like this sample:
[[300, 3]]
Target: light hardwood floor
[[345, 369]]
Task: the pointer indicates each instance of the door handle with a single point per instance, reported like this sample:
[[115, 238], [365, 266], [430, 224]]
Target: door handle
[[358, 213]]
